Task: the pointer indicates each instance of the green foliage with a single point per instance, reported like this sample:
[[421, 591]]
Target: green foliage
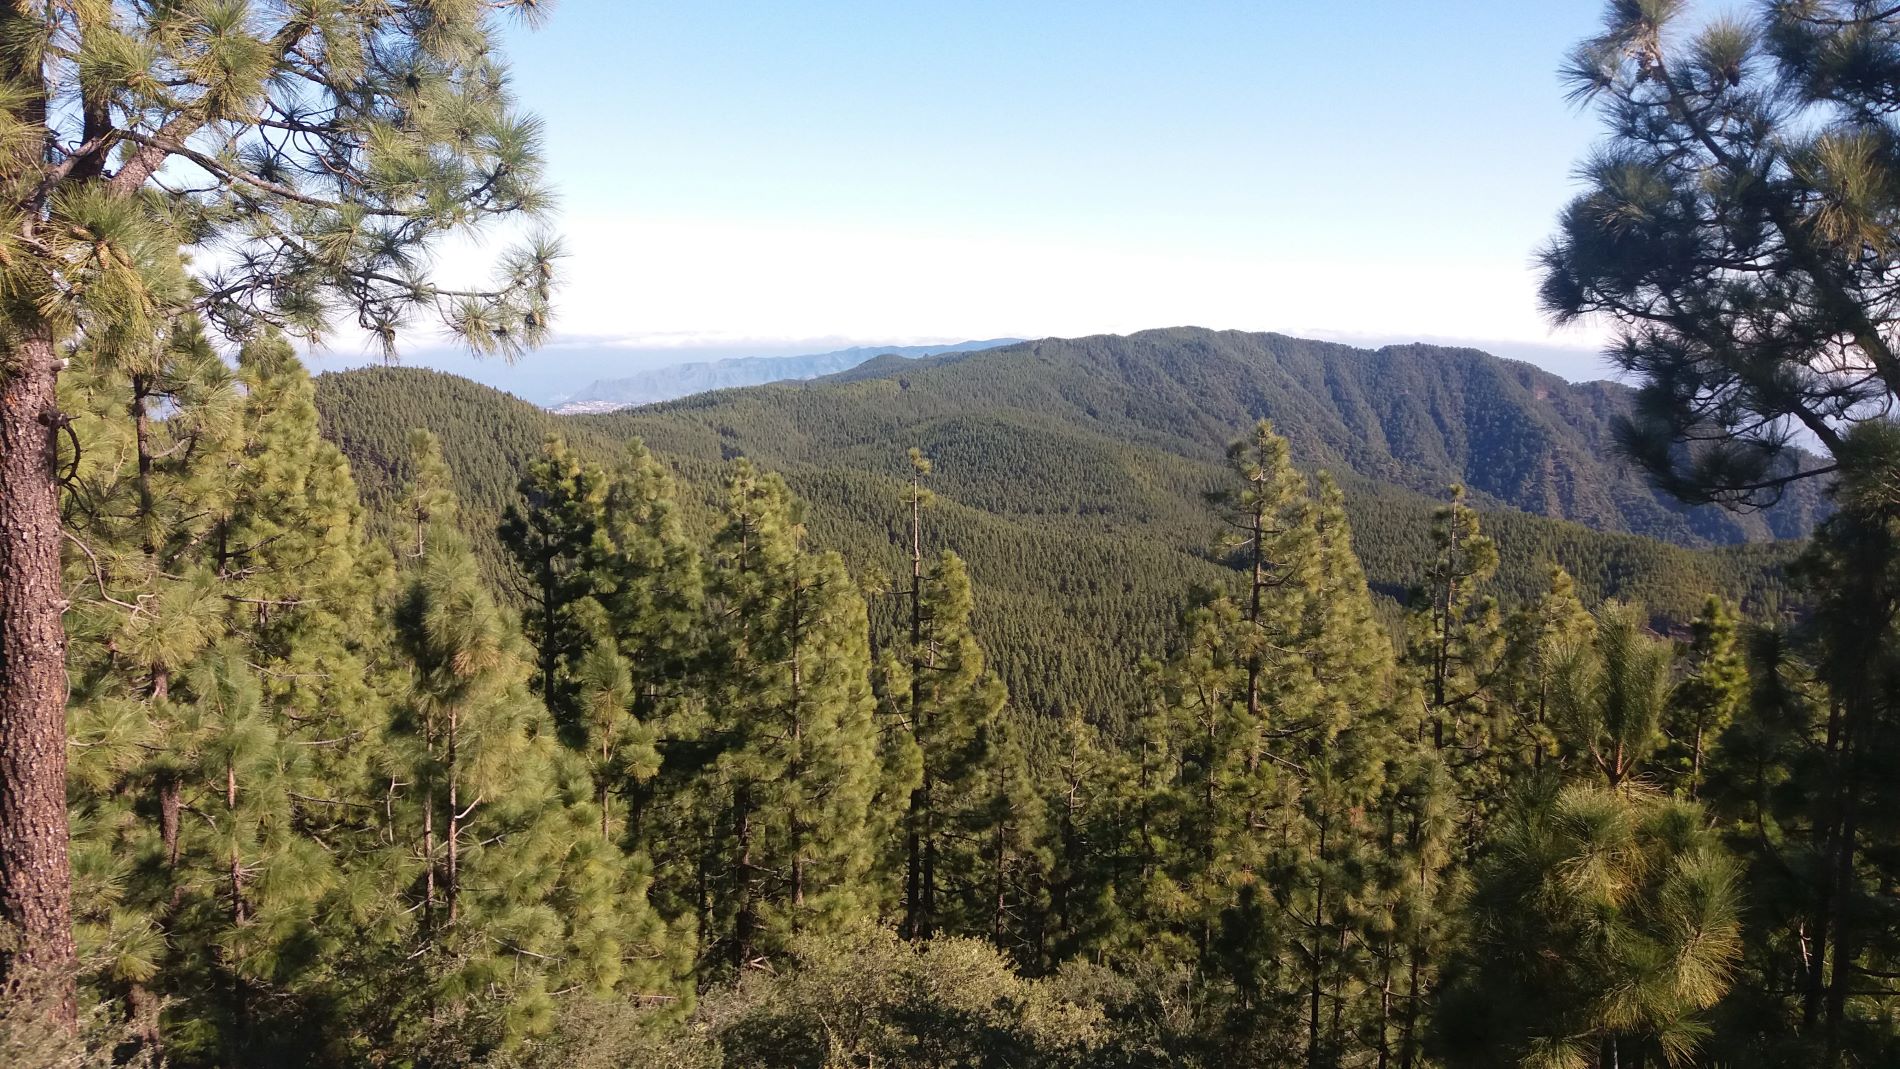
[[1266, 864], [949, 705], [1611, 697], [225, 693], [867, 998], [1600, 930], [1737, 229], [791, 713], [520, 892], [1706, 700], [405, 132], [1538, 639], [555, 535]]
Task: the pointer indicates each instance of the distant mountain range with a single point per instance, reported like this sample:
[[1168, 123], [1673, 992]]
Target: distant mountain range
[[682, 380]]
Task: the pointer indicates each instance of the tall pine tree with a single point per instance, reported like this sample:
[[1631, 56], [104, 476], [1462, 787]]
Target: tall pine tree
[[792, 721]]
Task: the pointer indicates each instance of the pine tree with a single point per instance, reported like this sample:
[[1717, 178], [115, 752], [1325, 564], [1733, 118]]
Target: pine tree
[[129, 131], [644, 629], [1601, 929], [1611, 697], [515, 891], [1271, 522], [1538, 637], [1704, 702], [1215, 783], [955, 710], [1007, 890], [1454, 634], [225, 585], [1853, 571], [1348, 760], [1604, 919], [1454, 644], [902, 678], [1103, 841], [649, 581], [792, 713], [1414, 872], [1769, 783], [1274, 717], [556, 536], [144, 417], [1750, 302], [1750, 305]]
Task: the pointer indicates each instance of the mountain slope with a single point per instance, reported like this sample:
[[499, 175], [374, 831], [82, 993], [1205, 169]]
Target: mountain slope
[[682, 380], [1071, 481], [1415, 416]]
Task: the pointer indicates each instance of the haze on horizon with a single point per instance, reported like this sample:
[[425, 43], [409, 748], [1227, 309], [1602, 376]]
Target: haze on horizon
[[760, 179]]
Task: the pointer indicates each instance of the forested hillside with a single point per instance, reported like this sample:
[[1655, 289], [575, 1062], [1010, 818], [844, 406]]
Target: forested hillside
[[1072, 476], [1416, 416]]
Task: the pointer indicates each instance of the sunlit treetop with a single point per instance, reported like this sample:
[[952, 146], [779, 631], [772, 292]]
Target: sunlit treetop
[[309, 154]]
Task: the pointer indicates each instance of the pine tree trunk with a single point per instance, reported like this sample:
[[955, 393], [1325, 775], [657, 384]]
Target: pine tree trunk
[[142, 438], [930, 875], [702, 891], [1408, 1040], [428, 824], [1318, 941], [795, 772], [35, 872], [239, 1039], [1441, 662], [1846, 943], [1387, 952], [798, 822], [549, 650], [142, 1007], [999, 861], [1257, 586], [1336, 1030], [1815, 990], [914, 864], [428, 855], [917, 922], [170, 802], [452, 878], [237, 859], [745, 923]]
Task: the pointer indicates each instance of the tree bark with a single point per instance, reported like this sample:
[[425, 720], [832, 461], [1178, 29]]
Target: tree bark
[[1318, 964], [35, 873], [1846, 928], [452, 885]]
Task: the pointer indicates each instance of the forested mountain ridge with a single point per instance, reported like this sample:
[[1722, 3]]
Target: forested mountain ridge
[[1417, 416], [1070, 475]]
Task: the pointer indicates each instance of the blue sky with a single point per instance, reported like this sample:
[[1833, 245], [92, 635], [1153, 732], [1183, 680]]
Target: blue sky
[[751, 177]]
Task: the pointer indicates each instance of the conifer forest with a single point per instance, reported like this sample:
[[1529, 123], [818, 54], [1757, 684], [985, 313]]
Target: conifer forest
[[1183, 699]]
